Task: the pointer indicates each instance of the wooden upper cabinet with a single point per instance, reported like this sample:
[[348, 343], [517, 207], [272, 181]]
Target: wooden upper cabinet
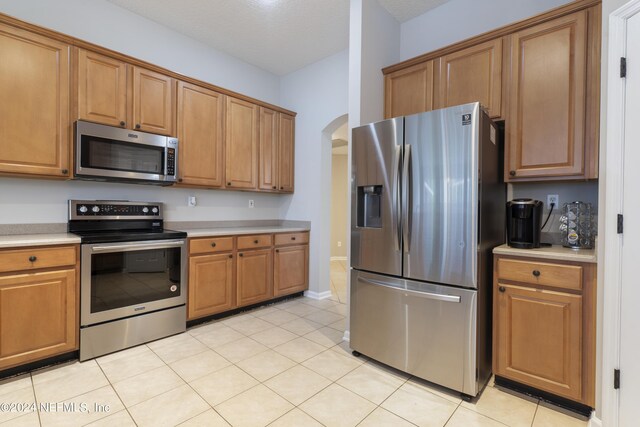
[[269, 137], [241, 144], [471, 75], [102, 89], [34, 112], [538, 339], [153, 102], [286, 153], [200, 132], [409, 91], [545, 121]]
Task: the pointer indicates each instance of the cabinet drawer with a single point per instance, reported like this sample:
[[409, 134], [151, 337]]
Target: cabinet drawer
[[34, 258], [259, 241], [292, 238], [210, 245], [540, 273]]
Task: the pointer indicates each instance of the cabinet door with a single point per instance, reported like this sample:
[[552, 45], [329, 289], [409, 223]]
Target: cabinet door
[[269, 136], [210, 285], [38, 316], [291, 270], [254, 276], [409, 91], [200, 124], [34, 112], [538, 338], [102, 89], [546, 114], [241, 144], [286, 153], [153, 102], [472, 75]]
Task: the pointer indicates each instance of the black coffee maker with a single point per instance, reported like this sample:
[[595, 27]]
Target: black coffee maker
[[524, 219]]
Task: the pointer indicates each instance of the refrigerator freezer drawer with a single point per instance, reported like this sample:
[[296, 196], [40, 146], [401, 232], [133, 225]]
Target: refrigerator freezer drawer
[[423, 329]]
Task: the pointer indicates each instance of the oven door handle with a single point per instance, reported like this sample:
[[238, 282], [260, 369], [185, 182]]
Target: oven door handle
[[138, 246]]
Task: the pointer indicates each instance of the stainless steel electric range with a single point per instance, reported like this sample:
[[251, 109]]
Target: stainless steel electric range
[[133, 275]]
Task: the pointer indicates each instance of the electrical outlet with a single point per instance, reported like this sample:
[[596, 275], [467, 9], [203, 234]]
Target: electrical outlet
[[252, 204], [553, 198], [339, 244], [191, 201]]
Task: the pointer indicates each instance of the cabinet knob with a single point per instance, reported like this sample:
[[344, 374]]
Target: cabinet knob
[[293, 238], [228, 184], [277, 250], [275, 188], [65, 171], [33, 258], [179, 179], [502, 289], [230, 256], [240, 254], [512, 173], [137, 125], [536, 273], [123, 123], [213, 245], [256, 241], [282, 188]]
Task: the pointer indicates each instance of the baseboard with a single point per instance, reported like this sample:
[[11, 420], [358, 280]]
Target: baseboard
[[346, 337], [594, 421], [317, 295], [338, 258]]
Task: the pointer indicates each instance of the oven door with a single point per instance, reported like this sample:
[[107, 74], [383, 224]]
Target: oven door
[[120, 280]]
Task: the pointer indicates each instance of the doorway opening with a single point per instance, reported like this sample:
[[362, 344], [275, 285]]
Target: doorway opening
[[339, 213]]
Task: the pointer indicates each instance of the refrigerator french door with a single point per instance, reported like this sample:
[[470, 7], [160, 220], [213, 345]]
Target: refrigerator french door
[[427, 208]]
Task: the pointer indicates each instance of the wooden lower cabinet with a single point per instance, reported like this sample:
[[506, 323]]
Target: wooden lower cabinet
[[38, 315], [211, 283], [544, 336], [254, 276], [291, 270]]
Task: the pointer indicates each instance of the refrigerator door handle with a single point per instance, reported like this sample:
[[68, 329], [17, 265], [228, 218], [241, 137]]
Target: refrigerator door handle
[[397, 225], [406, 192], [428, 295]]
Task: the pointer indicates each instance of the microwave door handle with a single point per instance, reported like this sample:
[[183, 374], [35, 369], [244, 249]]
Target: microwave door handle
[[406, 195], [137, 246]]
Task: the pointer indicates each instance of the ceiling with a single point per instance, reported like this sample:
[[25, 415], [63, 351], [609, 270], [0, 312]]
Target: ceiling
[[279, 36]]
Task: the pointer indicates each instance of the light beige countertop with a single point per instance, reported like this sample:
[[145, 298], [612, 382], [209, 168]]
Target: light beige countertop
[[22, 240], [228, 231], [554, 252]]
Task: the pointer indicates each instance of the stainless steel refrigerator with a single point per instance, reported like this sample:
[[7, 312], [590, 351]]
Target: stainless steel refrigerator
[[428, 206]]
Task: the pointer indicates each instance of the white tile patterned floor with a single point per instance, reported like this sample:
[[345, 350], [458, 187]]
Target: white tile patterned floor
[[282, 365]]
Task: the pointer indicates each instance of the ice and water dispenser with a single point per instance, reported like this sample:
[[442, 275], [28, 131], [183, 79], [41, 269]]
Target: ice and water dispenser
[[370, 206]]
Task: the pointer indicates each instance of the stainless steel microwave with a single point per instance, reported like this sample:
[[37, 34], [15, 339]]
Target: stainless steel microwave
[[108, 153]]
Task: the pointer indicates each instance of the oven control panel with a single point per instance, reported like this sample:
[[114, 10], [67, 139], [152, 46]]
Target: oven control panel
[[88, 209]]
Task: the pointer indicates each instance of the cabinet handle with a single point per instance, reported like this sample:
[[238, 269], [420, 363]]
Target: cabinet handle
[[536, 273], [230, 256], [228, 184], [65, 171], [502, 289], [293, 238], [213, 245], [179, 179], [256, 241], [240, 255], [33, 258], [137, 125], [277, 250], [282, 188], [275, 188], [123, 124], [512, 173]]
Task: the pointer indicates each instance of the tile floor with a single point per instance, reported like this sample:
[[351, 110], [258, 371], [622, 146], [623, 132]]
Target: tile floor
[[281, 365]]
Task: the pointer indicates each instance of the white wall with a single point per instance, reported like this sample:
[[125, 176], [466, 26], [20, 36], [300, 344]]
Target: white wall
[[319, 94], [460, 19], [105, 24], [102, 23]]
